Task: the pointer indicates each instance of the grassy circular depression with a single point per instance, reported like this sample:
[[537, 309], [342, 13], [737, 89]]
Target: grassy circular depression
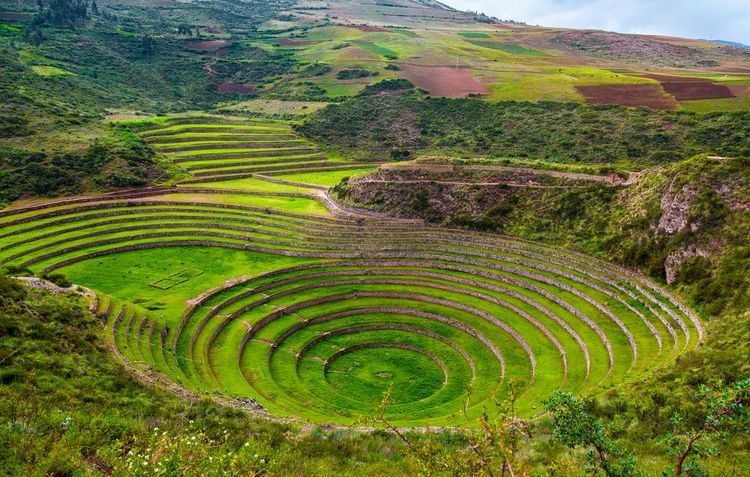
[[366, 373], [312, 312]]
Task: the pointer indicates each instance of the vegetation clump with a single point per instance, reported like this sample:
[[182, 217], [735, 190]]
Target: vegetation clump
[[355, 73], [555, 132], [122, 161], [316, 69]]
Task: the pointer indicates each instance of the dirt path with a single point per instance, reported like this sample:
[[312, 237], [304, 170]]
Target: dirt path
[[488, 184], [444, 168]]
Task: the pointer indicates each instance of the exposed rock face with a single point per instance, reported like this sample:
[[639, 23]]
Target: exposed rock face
[[675, 204], [675, 207], [675, 260], [431, 201], [728, 192], [47, 285]]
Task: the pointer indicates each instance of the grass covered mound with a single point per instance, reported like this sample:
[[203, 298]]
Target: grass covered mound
[[388, 126], [117, 159]]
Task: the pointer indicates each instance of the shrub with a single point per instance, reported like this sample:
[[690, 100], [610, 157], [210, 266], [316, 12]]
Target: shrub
[[355, 73], [400, 154], [59, 279], [316, 69], [10, 289], [13, 125], [693, 270], [18, 271], [385, 86]]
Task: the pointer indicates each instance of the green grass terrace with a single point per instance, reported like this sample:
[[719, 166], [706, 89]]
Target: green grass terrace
[[213, 150], [282, 303]]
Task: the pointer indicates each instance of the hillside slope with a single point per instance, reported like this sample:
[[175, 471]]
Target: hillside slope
[[66, 69], [685, 223], [402, 124]]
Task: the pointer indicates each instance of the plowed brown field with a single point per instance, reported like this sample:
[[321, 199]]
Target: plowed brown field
[[444, 80], [648, 95], [686, 88], [235, 88]]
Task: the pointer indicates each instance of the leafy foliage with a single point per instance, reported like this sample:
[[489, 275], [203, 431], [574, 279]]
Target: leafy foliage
[[354, 73], [557, 132], [727, 412], [123, 160], [575, 427], [63, 12]]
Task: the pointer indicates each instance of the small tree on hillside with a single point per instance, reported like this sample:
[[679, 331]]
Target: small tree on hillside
[[575, 427], [492, 451], [62, 12], [727, 413], [148, 46], [33, 35]]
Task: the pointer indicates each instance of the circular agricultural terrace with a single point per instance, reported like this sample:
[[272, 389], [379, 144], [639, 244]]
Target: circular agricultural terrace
[[443, 318]]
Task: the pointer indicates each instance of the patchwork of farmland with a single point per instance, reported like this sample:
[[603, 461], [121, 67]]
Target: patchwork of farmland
[[513, 62], [310, 310]]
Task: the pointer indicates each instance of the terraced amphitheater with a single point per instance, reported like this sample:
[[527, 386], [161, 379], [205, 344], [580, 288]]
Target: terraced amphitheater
[[268, 295], [217, 150]]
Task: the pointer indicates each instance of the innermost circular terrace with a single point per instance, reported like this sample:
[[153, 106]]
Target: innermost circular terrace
[[366, 371]]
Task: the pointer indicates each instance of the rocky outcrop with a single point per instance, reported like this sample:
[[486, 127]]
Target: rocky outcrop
[[675, 260], [675, 207]]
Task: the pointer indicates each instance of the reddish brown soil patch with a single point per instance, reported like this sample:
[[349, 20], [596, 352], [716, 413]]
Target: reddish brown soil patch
[[698, 90], [648, 95], [291, 42], [742, 71], [686, 88], [235, 88], [444, 80], [355, 53], [13, 16], [207, 45]]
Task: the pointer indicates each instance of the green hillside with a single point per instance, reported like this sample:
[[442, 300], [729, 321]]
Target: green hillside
[[286, 237], [404, 124]]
